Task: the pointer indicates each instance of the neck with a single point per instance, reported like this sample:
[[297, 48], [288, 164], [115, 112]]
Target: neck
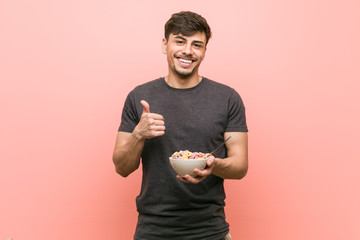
[[178, 82]]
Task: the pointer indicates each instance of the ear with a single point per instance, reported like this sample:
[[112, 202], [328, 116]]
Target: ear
[[164, 46]]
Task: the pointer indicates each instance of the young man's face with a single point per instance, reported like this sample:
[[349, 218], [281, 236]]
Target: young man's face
[[185, 53]]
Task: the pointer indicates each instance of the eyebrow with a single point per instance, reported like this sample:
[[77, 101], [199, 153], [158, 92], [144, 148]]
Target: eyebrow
[[195, 41]]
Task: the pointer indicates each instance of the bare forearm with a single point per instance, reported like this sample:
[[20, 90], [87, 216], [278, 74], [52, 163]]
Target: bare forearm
[[129, 146], [126, 156], [231, 167]]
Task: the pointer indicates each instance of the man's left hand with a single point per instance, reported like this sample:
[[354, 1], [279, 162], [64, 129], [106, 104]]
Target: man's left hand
[[201, 174]]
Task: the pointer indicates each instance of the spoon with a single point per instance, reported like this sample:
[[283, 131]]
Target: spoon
[[219, 146]]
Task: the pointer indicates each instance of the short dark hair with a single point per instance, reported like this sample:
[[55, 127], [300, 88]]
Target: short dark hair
[[187, 23]]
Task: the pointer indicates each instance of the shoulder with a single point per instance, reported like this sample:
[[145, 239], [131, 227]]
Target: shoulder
[[217, 85], [220, 88], [145, 89], [149, 85]]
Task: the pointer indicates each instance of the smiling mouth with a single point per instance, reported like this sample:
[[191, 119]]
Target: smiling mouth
[[186, 62]]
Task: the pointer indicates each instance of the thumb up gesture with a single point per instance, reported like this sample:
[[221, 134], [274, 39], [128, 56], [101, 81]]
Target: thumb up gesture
[[151, 124]]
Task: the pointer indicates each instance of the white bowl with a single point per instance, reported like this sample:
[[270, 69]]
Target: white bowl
[[183, 167]]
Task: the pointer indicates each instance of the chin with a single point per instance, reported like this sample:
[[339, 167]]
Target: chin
[[184, 74]]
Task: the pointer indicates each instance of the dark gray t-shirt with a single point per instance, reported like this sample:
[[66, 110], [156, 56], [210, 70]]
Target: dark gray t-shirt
[[195, 120]]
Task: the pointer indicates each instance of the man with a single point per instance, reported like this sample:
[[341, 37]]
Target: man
[[198, 114]]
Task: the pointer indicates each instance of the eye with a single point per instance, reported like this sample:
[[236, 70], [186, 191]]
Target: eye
[[180, 42], [196, 45]]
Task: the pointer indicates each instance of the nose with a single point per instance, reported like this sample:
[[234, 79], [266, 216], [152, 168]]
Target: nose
[[187, 50]]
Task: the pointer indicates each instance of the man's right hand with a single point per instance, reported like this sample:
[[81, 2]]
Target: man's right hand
[[128, 146], [151, 124]]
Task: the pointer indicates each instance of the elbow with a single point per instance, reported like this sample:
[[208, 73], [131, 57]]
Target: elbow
[[122, 169], [122, 173], [241, 173], [243, 168], [119, 166]]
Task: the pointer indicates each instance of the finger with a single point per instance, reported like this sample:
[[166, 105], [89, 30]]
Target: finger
[[159, 123], [210, 161], [157, 116], [157, 128], [146, 106], [195, 180], [185, 178], [203, 173], [158, 133], [182, 179], [188, 179]]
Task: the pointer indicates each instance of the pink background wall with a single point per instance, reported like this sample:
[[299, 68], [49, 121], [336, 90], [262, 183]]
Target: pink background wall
[[66, 67]]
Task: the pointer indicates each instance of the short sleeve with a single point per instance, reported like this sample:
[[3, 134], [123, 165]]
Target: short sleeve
[[129, 118], [236, 114]]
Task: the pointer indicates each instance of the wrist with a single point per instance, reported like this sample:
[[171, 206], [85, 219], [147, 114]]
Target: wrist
[[216, 163], [137, 135]]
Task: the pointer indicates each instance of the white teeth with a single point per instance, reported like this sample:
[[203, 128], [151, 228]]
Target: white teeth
[[185, 61]]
